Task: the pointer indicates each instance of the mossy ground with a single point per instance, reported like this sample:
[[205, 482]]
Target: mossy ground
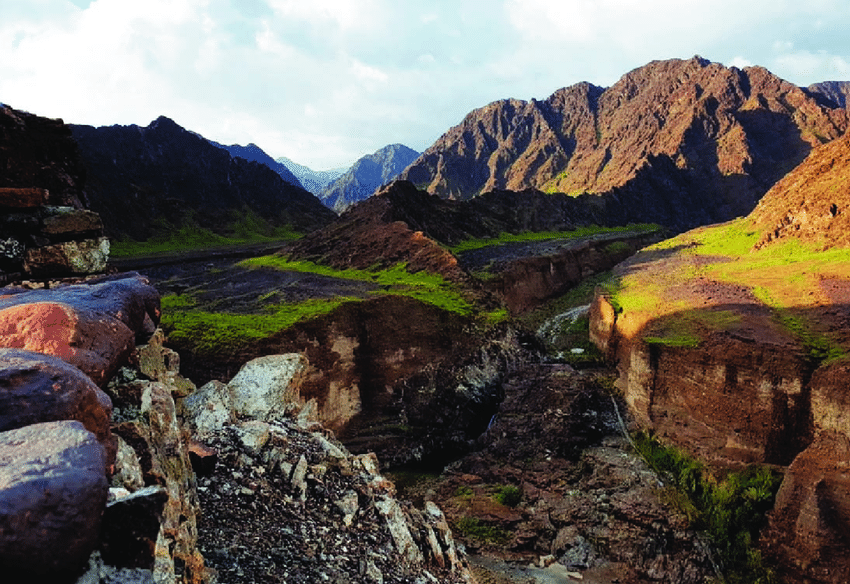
[[784, 276], [577, 233]]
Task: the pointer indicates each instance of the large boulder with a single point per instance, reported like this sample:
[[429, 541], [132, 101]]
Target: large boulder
[[95, 343], [52, 494], [38, 388]]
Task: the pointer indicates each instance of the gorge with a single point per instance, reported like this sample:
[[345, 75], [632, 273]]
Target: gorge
[[376, 400]]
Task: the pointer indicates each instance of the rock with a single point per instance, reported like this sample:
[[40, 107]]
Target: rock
[[262, 388], [88, 256], [208, 409], [131, 526], [41, 388], [51, 500], [95, 343], [22, 198], [410, 554], [202, 457], [128, 471], [127, 297], [66, 221], [254, 435]]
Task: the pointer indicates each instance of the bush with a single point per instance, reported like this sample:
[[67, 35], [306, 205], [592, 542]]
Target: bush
[[508, 495]]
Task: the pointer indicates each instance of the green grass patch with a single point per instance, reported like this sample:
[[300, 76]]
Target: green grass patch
[[507, 495], [245, 228], [577, 233], [207, 333], [424, 286], [731, 511], [482, 531]]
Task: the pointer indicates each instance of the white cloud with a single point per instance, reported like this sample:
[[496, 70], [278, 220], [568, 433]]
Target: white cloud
[[327, 81]]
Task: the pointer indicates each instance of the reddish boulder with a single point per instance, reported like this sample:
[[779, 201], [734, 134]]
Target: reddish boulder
[[38, 388], [22, 198], [95, 343], [52, 495]]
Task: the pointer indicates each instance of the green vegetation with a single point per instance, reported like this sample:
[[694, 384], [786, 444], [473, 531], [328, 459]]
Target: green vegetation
[[246, 228], [481, 531], [784, 275], [424, 286], [578, 232], [209, 333], [731, 511], [507, 495]]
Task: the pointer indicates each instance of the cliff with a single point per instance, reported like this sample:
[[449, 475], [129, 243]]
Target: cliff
[[730, 340]]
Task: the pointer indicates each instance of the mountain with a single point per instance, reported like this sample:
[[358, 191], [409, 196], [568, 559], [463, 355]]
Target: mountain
[[835, 92], [313, 180], [254, 153], [146, 181], [367, 175], [702, 132]]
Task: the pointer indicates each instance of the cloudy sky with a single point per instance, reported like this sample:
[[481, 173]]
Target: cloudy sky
[[324, 82]]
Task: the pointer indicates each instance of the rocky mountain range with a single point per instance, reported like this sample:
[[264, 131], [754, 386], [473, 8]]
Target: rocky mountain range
[[314, 181], [254, 153], [367, 175], [689, 131], [164, 176]]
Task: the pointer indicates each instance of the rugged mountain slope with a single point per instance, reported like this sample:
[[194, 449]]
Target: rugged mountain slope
[[733, 343], [312, 180], [254, 153], [148, 180], [366, 176], [701, 131]]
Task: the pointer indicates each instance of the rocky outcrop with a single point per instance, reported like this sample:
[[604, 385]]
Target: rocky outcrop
[[43, 228], [64, 439], [366, 176], [166, 173], [705, 139], [285, 498]]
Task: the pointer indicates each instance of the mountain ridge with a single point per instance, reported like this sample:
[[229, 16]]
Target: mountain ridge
[[709, 131], [367, 175], [167, 177], [254, 153], [312, 180]]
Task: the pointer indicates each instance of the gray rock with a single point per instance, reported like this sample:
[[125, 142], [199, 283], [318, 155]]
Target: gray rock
[[262, 388], [130, 528], [207, 409], [51, 500], [88, 256]]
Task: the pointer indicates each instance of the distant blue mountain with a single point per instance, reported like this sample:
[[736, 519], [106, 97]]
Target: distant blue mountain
[[254, 153], [366, 176], [314, 181]]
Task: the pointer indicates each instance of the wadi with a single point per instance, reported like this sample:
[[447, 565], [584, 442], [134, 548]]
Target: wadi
[[602, 337]]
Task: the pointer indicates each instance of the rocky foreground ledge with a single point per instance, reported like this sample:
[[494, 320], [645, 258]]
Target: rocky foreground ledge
[[101, 439]]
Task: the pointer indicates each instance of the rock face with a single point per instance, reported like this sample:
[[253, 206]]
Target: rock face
[[716, 138], [418, 392], [366, 176], [165, 171], [51, 501], [43, 228], [722, 357]]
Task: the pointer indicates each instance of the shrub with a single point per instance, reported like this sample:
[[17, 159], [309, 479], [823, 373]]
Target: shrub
[[508, 495]]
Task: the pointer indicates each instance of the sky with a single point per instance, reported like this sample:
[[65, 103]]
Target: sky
[[324, 82]]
